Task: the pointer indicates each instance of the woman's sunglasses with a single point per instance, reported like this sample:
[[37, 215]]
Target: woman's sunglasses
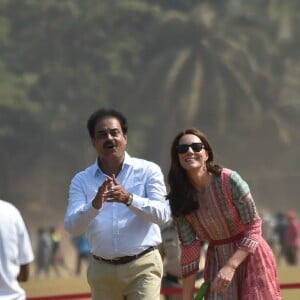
[[183, 148]]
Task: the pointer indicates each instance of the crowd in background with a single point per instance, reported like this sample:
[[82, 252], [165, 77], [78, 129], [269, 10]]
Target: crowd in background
[[281, 231], [50, 255]]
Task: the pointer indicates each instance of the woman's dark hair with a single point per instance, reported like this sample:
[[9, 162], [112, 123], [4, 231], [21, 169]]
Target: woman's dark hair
[[103, 113], [182, 194]]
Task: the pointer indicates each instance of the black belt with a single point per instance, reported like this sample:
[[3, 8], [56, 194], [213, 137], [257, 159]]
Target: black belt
[[171, 278], [124, 259]]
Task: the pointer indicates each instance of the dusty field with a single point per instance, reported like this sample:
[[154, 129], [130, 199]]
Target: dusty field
[[73, 285], [68, 284]]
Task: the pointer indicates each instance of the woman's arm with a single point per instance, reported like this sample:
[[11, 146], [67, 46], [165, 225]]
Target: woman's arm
[[226, 273], [190, 256], [188, 287], [251, 222]]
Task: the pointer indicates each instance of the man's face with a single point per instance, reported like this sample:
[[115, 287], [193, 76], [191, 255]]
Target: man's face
[[109, 140]]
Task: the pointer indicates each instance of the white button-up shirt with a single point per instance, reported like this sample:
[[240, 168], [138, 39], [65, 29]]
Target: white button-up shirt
[[115, 229], [15, 250]]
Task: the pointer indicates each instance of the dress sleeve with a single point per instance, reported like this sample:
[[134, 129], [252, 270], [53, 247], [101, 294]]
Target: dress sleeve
[[190, 247], [246, 207]]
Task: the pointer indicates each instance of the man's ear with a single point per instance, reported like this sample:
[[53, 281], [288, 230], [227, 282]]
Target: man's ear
[[93, 142], [125, 138]]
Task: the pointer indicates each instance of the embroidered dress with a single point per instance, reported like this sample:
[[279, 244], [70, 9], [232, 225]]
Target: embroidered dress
[[228, 220]]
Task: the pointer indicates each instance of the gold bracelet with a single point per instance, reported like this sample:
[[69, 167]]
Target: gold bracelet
[[129, 199]]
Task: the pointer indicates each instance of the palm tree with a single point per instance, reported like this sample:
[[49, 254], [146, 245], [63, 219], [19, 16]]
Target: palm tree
[[209, 69], [282, 20]]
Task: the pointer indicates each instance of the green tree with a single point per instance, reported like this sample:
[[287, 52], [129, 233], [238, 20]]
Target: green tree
[[62, 60], [208, 69]]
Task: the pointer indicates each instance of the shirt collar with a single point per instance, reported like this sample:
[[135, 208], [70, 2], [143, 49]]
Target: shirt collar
[[127, 162]]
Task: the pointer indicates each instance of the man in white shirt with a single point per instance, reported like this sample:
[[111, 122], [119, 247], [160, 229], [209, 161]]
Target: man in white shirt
[[15, 252], [119, 201]]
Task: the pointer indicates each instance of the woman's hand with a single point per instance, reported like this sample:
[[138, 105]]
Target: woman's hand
[[223, 279], [226, 273]]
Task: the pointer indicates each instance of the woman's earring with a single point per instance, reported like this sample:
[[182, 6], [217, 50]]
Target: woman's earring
[[204, 168]]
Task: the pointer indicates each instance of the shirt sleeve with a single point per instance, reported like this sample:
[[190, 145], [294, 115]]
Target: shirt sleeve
[[152, 206], [80, 212], [26, 255], [246, 207], [190, 247]]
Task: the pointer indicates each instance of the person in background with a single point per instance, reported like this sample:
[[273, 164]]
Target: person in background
[[83, 251], [268, 231], [119, 201], [292, 236], [57, 258], [15, 252], [43, 253], [214, 204], [170, 251], [280, 231]]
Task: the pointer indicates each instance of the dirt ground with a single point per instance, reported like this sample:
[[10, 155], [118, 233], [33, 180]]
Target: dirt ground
[[64, 282], [67, 285]]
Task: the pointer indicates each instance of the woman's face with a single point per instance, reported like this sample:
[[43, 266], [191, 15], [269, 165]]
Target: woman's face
[[195, 156]]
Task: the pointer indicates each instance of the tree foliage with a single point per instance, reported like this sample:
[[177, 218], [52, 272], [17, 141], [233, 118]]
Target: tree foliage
[[216, 71], [230, 68]]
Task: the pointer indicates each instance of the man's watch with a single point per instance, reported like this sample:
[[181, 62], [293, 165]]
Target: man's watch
[[129, 199]]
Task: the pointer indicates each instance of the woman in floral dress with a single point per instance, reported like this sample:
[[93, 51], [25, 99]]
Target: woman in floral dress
[[214, 204]]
